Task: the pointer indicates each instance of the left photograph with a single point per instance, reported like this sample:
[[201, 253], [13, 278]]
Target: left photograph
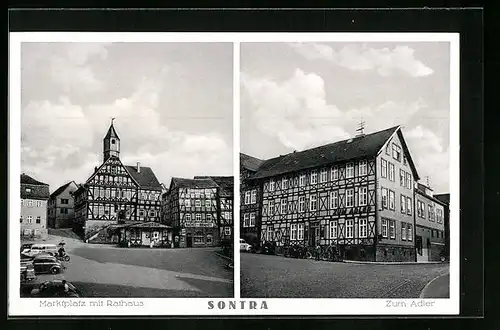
[[126, 180]]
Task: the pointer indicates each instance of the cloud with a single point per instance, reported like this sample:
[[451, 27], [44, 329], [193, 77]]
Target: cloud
[[62, 141], [431, 158], [296, 111], [357, 57]]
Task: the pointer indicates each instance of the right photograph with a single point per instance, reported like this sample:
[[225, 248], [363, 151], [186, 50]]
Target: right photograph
[[344, 169]]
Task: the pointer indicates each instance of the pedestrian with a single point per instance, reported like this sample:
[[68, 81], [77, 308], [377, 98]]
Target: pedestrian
[[318, 250], [66, 287]]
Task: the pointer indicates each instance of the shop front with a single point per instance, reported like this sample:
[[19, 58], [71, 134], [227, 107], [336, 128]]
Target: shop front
[[148, 234]]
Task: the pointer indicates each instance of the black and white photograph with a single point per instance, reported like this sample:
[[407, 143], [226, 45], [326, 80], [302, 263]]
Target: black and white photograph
[[345, 169], [126, 180]]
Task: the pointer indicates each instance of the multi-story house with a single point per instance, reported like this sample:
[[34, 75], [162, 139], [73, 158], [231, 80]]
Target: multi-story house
[[116, 193], [61, 212], [445, 198], [429, 224], [225, 200], [356, 194], [191, 209], [34, 197]]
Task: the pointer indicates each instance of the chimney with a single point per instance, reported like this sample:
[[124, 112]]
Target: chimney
[[95, 169], [138, 167]]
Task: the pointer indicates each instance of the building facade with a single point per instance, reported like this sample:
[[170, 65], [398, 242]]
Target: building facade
[[34, 197], [115, 193], [61, 213], [445, 199], [430, 229], [356, 195], [250, 200]]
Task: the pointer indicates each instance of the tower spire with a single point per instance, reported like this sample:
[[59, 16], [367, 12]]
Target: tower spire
[[111, 142]]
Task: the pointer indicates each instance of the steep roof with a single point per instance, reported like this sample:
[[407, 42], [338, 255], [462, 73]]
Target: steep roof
[[146, 178], [249, 162], [61, 189], [225, 183], [351, 149], [194, 183], [111, 133], [33, 189], [445, 198]]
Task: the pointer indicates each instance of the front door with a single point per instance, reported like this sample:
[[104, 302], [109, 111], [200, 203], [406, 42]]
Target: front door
[[313, 234], [189, 240], [146, 238]]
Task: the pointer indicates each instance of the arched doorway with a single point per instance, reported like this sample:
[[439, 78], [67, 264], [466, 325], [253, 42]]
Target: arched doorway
[[189, 240]]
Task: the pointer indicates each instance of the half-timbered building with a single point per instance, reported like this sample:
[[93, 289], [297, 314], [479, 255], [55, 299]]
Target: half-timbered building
[[116, 193], [355, 194]]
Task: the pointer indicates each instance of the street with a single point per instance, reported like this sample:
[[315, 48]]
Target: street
[[265, 276], [109, 271]]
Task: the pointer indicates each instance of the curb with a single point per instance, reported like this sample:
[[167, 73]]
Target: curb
[[222, 256], [426, 287], [391, 263]]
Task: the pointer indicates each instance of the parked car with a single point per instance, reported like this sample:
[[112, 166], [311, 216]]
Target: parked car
[[244, 246], [26, 247], [40, 248], [55, 288], [46, 264]]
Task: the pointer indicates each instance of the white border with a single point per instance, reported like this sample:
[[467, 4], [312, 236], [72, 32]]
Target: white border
[[201, 306]]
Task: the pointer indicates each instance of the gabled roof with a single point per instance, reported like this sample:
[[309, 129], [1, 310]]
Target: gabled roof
[[250, 163], [111, 133], [33, 189], [193, 183], [445, 198], [61, 189], [225, 183], [146, 178], [351, 149]]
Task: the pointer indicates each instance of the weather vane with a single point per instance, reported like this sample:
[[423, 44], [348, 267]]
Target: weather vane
[[112, 119]]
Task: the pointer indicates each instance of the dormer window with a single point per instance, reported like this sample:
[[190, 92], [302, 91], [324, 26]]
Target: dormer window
[[28, 190]]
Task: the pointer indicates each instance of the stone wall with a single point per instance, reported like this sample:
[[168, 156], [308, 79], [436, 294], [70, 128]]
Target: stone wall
[[395, 253]]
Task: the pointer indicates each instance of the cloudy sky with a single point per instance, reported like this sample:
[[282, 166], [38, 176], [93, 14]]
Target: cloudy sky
[[300, 95], [172, 103]]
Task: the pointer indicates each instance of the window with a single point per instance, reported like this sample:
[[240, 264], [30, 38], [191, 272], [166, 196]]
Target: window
[[350, 170], [283, 206], [22, 202], [21, 218], [391, 200], [227, 231], [29, 219], [384, 168], [264, 208], [152, 214], [39, 203], [349, 225], [38, 219], [403, 231], [252, 219], [432, 233], [207, 203], [362, 168], [420, 209], [271, 207], [409, 232], [392, 229], [198, 216], [430, 212], [314, 177], [396, 152], [324, 176], [408, 181], [334, 175], [408, 205], [293, 232], [333, 229], [247, 197], [28, 190], [387, 146], [270, 233], [384, 198], [30, 203], [402, 177], [141, 213], [246, 220], [284, 183], [253, 198], [363, 196], [271, 185], [403, 204], [439, 215], [349, 197], [187, 216], [302, 202], [302, 180], [313, 204], [391, 171], [334, 199], [113, 141], [363, 228], [300, 231], [197, 203], [384, 228], [187, 202]]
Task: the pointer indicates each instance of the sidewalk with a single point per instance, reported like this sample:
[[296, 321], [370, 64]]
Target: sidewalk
[[392, 262], [439, 287]]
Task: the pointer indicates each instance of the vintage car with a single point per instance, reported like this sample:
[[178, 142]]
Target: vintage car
[[56, 288], [44, 263], [244, 246]]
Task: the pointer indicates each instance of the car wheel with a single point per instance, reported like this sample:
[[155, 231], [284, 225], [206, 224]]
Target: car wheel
[[54, 270], [66, 258]]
